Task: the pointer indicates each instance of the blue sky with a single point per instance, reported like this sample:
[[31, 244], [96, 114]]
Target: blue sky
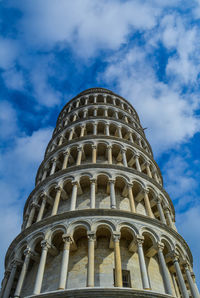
[[146, 51]]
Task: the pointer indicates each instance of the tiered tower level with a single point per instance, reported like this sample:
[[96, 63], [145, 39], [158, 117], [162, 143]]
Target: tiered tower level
[[99, 222]]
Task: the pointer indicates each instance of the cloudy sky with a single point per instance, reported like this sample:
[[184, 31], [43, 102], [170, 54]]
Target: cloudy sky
[[146, 51]]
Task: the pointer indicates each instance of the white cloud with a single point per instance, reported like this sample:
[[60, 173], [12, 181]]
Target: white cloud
[[8, 52], [168, 115], [8, 120], [14, 79]]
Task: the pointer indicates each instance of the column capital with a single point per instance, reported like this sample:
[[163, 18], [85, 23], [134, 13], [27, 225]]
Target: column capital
[[160, 246], [83, 125], [43, 194], [74, 182], [67, 238], [130, 184], [139, 240], [34, 204], [66, 152], [109, 147], [53, 159], [174, 256], [166, 209], [28, 251], [158, 200], [94, 146], [16, 262], [91, 236], [45, 244], [124, 150], [93, 180], [116, 236], [112, 181], [58, 188]]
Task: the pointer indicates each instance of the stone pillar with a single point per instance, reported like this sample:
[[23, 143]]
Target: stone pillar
[[40, 273], [137, 163], [82, 131], [147, 204], [90, 270], [117, 256], [112, 194], [44, 174], [42, 207], [85, 114], [105, 98], [65, 260], [60, 140], [116, 115], [53, 168], [106, 113], [193, 289], [139, 142], [4, 282], [24, 270], [71, 134], [77, 104], [74, 117], [131, 137], [109, 148], [94, 153], [93, 190], [114, 101], [10, 280], [163, 269], [180, 278], [143, 269], [124, 158], [160, 210], [79, 156], [32, 214], [168, 216], [95, 112], [155, 176], [148, 170], [95, 129], [119, 132], [95, 99], [107, 129], [65, 161], [86, 100], [125, 119], [56, 201], [74, 195], [131, 198]]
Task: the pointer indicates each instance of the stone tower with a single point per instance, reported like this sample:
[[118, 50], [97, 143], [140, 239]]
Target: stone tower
[[99, 222]]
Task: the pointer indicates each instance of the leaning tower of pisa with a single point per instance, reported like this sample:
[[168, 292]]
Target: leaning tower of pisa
[[98, 222]]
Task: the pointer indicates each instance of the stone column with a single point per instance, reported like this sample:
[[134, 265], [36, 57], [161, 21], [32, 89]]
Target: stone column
[[70, 108], [131, 198], [118, 265], [160, 210], [116, 115], [180, 278], [109, 148], [42, 207], [95, 99], [93, 190], [4, 282], [168, 216], [124, 158], [155, 176], [74, 195], [75, 117], [143, 269], [84, 113], [119, 132], [10, 280], [112, 194], [163, 269], [90, 270], [82, 131], [79, 156], [106, 113], [65, 161], [77, 104], [95, 129], [139, 142], [71, 134], [137, 163], [125, 119], [24, 270], [94, 153], [56, 201], [114, 101], [131, 137], [65, 260], [148, 170], [95, 112], [60, 140], [86, 100], [44, 174], [53, 168], [107, 129], [32, 214], [40, 273], [104, 98], [193, 289], [147, 204]]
